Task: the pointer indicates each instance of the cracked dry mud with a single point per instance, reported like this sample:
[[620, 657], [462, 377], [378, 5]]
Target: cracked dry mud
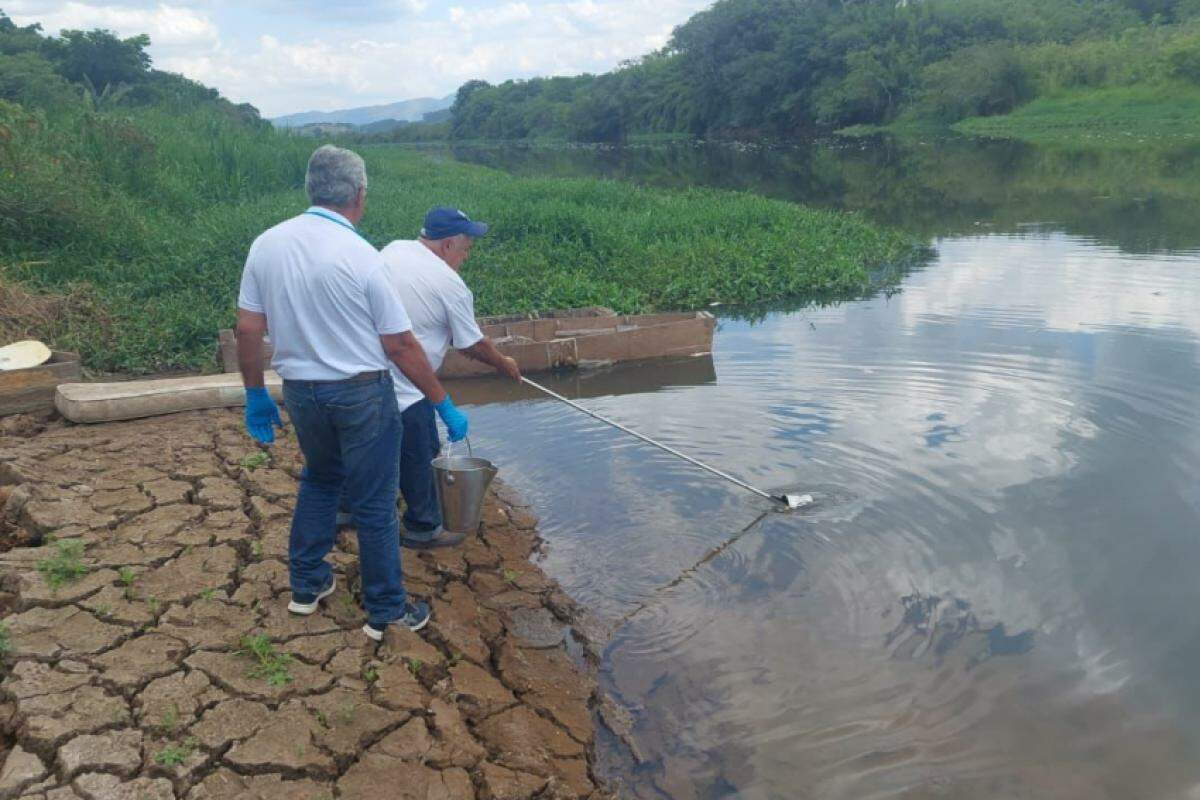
[[130, 679]]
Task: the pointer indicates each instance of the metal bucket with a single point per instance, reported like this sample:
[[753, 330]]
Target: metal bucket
[[462, 483]]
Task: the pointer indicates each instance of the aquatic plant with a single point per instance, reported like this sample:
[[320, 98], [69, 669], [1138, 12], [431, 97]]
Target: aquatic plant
[[157, 246]]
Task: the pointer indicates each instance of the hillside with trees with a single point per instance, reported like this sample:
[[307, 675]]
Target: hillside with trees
[[793, 67]]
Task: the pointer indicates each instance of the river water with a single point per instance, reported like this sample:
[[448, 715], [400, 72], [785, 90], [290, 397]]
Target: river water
[[996, 593]]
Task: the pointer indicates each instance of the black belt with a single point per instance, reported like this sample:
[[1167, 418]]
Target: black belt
[[362, 377]]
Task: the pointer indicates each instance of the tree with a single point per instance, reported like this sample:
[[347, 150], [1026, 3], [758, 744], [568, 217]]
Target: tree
[[16, 39], [100, 57], [977, 81]]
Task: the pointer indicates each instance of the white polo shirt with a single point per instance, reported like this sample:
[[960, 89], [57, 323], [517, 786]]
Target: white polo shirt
[[440, 305], [326, 295]]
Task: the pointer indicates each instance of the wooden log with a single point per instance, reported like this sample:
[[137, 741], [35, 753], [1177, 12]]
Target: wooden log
[[107, 402], [683, 338], [530, 357], [549, 342], [32, 390]]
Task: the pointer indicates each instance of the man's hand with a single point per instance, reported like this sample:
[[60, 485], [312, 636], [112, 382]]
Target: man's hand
[[509, 368], [262, 415], [456, 421], [485, 351]]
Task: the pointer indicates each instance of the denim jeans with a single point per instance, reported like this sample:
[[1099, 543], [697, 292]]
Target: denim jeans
[[419, 445], [349, 432]]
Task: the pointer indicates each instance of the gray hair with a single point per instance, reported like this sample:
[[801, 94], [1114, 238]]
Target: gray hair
[[334, 176]]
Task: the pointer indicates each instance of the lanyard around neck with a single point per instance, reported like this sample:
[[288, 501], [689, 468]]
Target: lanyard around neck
[[337, 221]]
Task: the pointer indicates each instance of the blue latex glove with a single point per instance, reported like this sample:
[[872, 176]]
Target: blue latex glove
[[456, 421], [262, 415]]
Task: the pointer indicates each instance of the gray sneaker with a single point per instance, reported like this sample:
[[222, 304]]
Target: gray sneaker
[[430, 540], [416, 616]]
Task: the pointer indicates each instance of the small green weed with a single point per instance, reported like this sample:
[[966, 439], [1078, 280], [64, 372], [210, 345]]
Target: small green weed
[[254, 460], [370, 674], [414, 665], [170, 718], [271, 666], [65, 566], [510, 576], [176, 753], [208, 594], [5, 640], [126, 577]]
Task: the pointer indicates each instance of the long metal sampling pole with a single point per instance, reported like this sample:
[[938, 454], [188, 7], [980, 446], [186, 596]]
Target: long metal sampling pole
[[785, 499]]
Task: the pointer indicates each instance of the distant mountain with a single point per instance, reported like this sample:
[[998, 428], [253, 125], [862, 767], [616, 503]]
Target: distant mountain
[[404, 111], [381, 126]]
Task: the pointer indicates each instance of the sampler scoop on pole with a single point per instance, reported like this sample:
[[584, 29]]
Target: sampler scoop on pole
[[789, 501]]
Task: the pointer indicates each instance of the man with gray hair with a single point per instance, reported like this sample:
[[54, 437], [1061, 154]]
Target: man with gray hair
[[336, 323]]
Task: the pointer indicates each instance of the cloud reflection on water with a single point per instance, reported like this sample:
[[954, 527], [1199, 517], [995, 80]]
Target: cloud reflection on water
[[1067, 374]]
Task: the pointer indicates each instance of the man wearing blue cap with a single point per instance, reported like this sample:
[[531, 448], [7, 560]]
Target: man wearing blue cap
[[442, 311]]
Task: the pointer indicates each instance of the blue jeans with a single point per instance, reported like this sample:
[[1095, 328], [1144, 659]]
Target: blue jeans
[[349, 432], [419, 445]]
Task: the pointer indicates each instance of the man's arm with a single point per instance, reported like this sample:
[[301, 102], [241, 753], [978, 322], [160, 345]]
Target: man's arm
[[251, 326], [486, 352], [403, 350], [262, 415]]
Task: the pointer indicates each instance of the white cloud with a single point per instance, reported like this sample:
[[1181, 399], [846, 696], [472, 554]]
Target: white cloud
[[169, 26], [371, 51]]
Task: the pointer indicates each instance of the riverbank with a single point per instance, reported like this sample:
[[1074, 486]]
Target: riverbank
[[155, 300], [1120, 117], [148, 652]]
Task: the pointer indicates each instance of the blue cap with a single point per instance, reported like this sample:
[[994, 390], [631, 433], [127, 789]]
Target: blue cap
[[443, 221]]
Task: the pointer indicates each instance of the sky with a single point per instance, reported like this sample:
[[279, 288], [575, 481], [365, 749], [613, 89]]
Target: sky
[[286, 56]]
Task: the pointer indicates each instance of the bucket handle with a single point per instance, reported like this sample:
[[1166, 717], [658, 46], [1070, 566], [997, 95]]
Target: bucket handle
[[450, 456], [450, 446]]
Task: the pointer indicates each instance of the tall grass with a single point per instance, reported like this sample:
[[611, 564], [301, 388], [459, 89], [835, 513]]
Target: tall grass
[[151, 213]]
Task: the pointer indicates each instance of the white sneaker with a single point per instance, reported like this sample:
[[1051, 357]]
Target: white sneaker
[[305, 604]]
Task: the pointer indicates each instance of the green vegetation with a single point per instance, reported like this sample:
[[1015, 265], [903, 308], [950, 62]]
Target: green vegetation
[[783, 67], [270, 665], [255, 460], [65, 565], [127, 213], [176, 753], [1112, 116], [6, 645]]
